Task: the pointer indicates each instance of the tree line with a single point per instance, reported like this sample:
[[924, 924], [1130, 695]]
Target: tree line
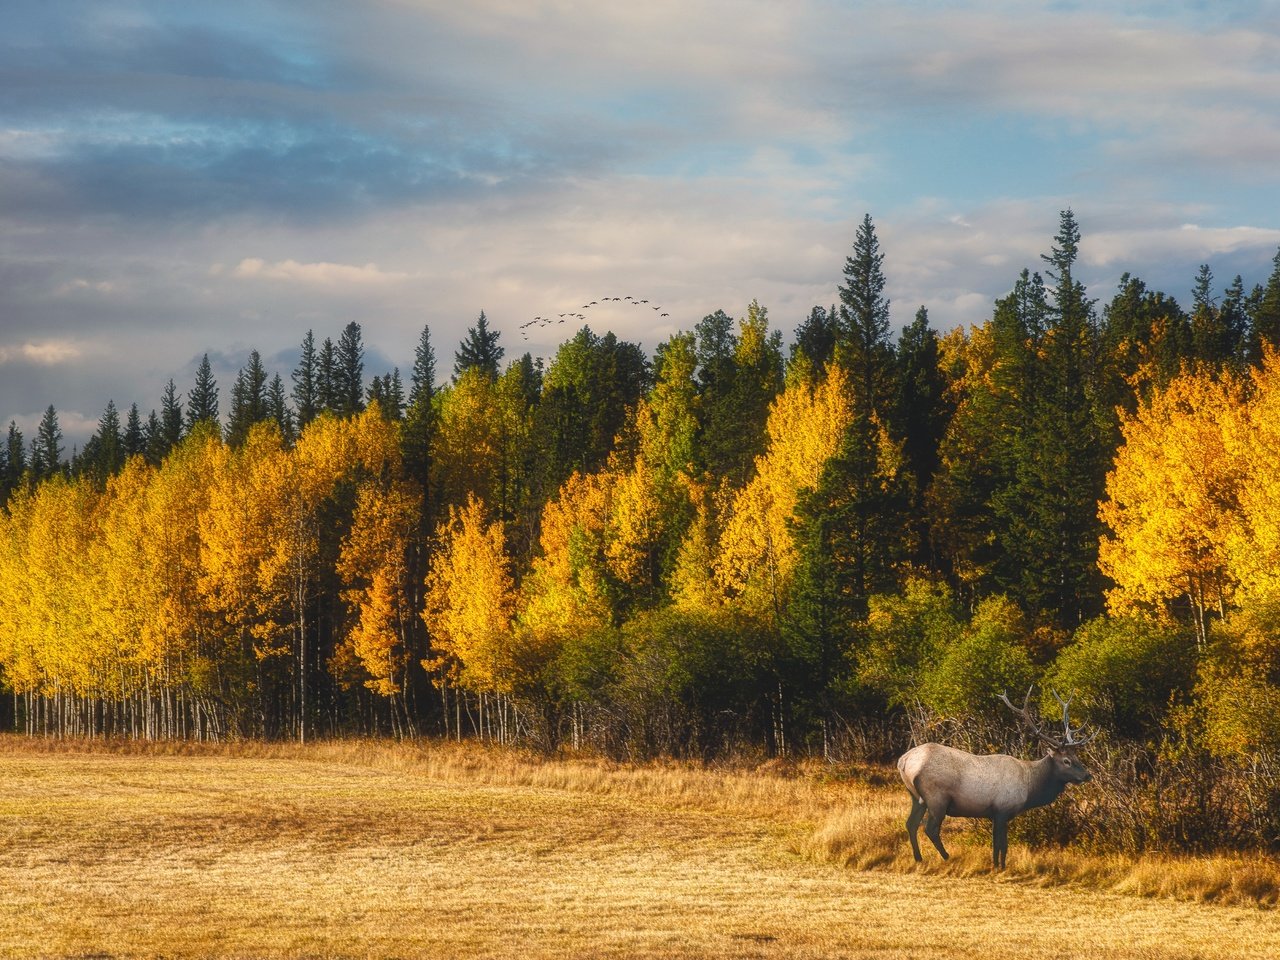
[[730, 542]]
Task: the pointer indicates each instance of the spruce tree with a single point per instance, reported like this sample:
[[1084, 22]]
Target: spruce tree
[[815, 338], [419, 417], [202, 402], [1265, 316], [349, 371], [921, 415], [170, 433], [135, 441], [15, 459], [278, 410], [104, 453], [248, 400], [865, 349], [46, 448], [156, 447], [306, 389], [1052, 527], [327, 378], [479, 348]]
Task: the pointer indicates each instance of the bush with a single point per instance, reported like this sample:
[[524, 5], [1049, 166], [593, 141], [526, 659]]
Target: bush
[[1124, 672], [987, 658], [904, 633]]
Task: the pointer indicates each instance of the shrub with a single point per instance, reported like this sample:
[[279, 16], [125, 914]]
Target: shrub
[[1124, 672]]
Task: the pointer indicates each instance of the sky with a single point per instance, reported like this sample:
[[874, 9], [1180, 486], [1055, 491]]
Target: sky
[[187, 178]]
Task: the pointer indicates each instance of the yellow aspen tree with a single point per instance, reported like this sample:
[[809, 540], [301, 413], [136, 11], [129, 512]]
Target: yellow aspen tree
[[470, 602], [374, 570], [566, 593], [757, 558], [470, 440], [1173, 500], [1253, 441]]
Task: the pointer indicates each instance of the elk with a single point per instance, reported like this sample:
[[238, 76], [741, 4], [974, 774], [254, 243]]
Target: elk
[[945, 782]]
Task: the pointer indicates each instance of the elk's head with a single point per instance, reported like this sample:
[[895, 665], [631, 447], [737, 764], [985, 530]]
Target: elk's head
[[1064, 749]]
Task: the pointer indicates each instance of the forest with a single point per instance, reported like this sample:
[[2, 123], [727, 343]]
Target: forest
[[823, 547]]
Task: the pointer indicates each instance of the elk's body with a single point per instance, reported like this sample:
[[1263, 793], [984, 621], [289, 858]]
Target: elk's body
[[945, 782]]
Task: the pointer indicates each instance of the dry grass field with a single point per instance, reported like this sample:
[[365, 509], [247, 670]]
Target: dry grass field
[[436, 850]]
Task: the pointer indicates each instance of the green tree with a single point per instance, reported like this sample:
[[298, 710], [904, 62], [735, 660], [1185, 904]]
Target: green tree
[[248, 400], [135, 442], [815, 338], [921, 412], [1265, 315], [170, 418], [14, 462], [278, 410], [306, 386], [348, 387], [865, 348], [202, 401], [46, 448], [479, 348]]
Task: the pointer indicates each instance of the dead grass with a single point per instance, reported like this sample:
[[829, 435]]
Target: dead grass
[[869, 833], [436, 850]]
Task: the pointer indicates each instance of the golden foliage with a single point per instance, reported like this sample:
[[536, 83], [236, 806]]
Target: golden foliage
[[756, 559]]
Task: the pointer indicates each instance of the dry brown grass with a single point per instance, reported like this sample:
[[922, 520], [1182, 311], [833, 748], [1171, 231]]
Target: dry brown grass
[[869, 833], [435, 850]]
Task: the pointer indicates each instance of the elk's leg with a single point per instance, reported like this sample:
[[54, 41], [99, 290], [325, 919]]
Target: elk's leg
[[913, 825], [999, 841], [933, 829]]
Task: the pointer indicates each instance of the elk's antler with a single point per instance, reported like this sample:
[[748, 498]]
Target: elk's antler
[[1024, 712], [1070, 735]]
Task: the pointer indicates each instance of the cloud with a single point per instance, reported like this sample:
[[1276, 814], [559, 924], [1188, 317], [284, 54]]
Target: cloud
[[316, 274], [49, 353]]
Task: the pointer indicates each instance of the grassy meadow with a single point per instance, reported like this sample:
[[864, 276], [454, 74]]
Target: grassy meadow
[[440, 850]]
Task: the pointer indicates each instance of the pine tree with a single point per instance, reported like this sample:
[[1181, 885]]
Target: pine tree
[[422, 382], [419, 418], [135, 441], [327, 378], [815, 338], [170, 419], [278, 410], [1265, 318], [15, 462], [202, 402], [395, 395], [248, 400], [306, 389], [46, 448], [156, 448], [349, 372], [104, 452], [479, 348], [865, 349], [921, 412], [1051, 511]]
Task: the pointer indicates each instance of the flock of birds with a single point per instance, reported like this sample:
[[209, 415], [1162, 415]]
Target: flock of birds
[[562, 317]]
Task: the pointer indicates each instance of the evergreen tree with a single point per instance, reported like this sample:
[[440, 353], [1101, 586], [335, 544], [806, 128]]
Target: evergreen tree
[[721, 435], [278, 410], [248, 400], [479, 348], [419, 416], [816, 337], [422, 382], [170, 419], [1265, 316], [14, 460], [395, 395], [46, 448], [202, 402], [135, 441], [865, 349], [103, 454], [921, 414], [349, 371], [306, 388], [327, 378], [1051, 513], [156, 446]]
